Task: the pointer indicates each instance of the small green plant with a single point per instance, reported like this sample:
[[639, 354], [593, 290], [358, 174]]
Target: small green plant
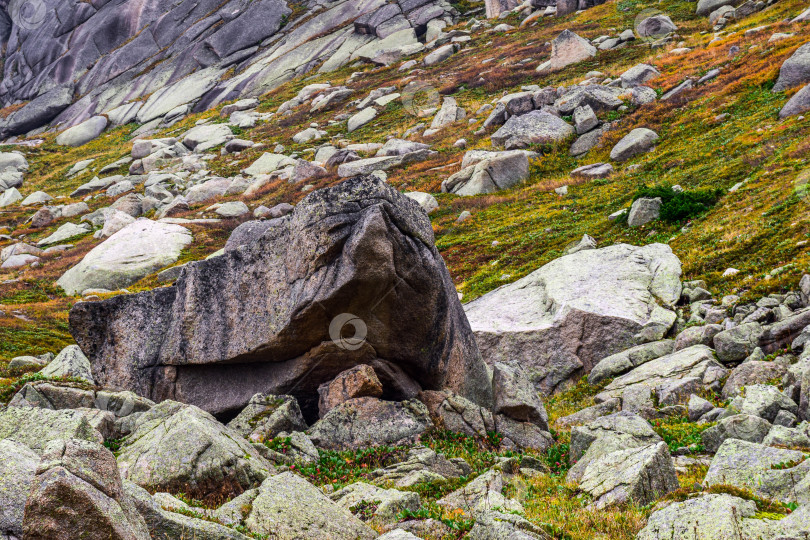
[[678, 432], [557, 458], [787, 464]]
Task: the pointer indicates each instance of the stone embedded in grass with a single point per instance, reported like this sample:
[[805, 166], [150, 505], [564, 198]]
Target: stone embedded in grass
[[798, 104], [83, 133], [638, 141], [535, 127], [644, 210], [656, 26], [488, 173], [795, 70], [638, 75], [566, 49]]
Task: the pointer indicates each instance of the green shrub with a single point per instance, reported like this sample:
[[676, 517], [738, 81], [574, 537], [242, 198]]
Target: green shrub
[[681, 205]]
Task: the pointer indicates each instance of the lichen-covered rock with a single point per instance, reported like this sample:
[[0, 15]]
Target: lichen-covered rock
[[708, 517], [480, 495], [36, 427], [386, 504], [166, 525], [666, 373], [560, 320], [641, 475], [70, 362], [262, 317], [605, 435], [180, 448], [516, 397], [77, 493], [766, 401], [771, 473], [749, 373], [367, 421], [287, 505], [266, 416], [624, 361], [744, 427], [737, 343], [18, 466]]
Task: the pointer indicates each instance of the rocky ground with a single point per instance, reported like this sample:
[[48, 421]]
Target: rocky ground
[[434, 270]]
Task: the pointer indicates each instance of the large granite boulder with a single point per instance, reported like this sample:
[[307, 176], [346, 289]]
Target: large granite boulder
[[329, 287], [130, 254], [561, 320]]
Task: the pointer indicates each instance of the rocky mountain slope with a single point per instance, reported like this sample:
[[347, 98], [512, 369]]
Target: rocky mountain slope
[[410, 269]]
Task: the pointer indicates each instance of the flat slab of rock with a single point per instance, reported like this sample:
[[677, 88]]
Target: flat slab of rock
[[132, 253], [317, 293], [622, 362], [561, 320]]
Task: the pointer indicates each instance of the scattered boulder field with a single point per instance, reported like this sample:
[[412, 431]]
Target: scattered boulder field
[[404, 270]]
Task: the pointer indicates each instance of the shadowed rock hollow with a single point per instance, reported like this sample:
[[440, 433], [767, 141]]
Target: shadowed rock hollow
[[257, 319]]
